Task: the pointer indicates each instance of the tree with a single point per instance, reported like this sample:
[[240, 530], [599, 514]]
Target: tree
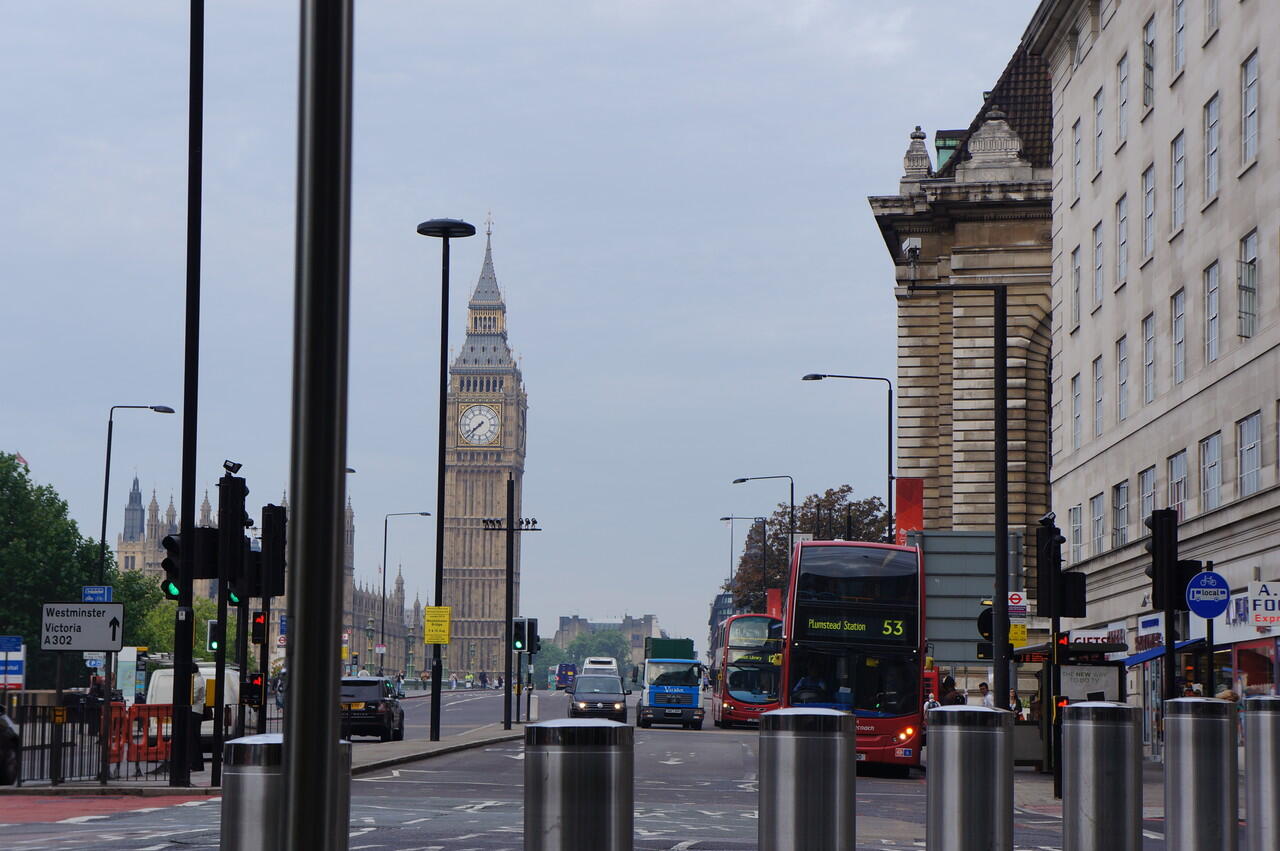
[[608, 642], [156, 630], [43, 558], [828, 516], [140, 595]]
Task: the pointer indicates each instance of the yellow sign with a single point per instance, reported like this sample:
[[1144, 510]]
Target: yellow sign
[[1018, 634], [344, 652], [435, 625], [59, 714]]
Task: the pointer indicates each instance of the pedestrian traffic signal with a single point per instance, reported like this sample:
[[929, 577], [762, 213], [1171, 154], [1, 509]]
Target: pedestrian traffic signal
[[258, 628], [211, 636], [519, 641], [252, 689], [1163, 569]]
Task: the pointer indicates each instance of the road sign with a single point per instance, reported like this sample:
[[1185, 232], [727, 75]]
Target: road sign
[[1208, 594], [1017, 604], [82, 626], [10, 643], [380, 649], [1018, 634], [284, 626], [94, 654], [282, 640], [94, 663], [435, 625], [95, 593]]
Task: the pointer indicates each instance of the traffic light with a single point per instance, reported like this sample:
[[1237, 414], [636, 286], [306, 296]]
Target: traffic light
[[1049, 541], [169, 584], [986, 621], [1163, 569], [519, 642], [531, 635], [211, 636], [258, 628], [252, 689], [274, 526], [1069, 595], [204, 559]]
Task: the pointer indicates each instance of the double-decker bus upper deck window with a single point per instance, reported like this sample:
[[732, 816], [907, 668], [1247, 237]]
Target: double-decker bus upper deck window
[[835, 575], [749, 631]]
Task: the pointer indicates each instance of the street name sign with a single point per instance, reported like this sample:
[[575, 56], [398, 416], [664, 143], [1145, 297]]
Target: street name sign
[[435, 625], [1208, 594], [82, 626]]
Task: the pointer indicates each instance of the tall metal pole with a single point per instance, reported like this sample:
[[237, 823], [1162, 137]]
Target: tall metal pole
[[1000, 605], [764, 564], [888, 482], [510, 599], [382, 631], [315, 810], [184, 624], [791, 530], [106, 490], [443, 401]]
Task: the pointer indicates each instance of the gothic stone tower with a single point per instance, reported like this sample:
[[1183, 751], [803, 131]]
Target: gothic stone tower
[[485, 445]]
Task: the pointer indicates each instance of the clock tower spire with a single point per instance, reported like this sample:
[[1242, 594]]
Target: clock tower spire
[[485, 443]]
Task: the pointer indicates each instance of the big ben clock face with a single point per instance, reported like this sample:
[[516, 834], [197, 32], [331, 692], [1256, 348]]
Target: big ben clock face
[[478, 425]]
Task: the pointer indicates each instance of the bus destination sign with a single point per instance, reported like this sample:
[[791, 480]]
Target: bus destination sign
[[835, 625]]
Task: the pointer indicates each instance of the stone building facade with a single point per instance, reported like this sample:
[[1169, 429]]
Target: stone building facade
[[1166, 333], [634, 630], [485, 446], [981, 218]]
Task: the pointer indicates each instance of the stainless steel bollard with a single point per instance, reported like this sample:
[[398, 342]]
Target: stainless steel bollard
[[341, 813], [808, 773], [1201, 797], [1101, 777], [970, 779], [252, 793], [1262, 772], [579, 781]]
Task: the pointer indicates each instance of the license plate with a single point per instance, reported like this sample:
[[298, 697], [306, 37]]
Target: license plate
[[353, 706], [671, 711], [862, 757]]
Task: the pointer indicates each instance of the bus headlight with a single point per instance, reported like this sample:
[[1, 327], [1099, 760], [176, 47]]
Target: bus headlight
[[726, 705], [906, 734]]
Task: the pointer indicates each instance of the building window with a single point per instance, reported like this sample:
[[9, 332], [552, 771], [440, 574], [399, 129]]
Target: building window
[[1178, 481], [1149, 62], [1077, 533], [1211, 312], [1122, 239], [1075, 411], [1249, 109], [1179, 35], [1098, 524], [1178, 181], [1122, 98], [1212, 131], [1149, 358], [1120, 514], [1075, 285], [1122, 378], [1097, 265], [1098, 119], [1211, 472], [1249, 453], [1247, 284], [1097, 396], [1178, 331], [1075, 158], [1147, 491], [1210, 16], [1149, 211]]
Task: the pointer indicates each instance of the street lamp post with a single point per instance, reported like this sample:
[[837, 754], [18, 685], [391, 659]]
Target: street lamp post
[[443, 229], [383, 631], [106, 481], [791, 529], [763, 551], [513, 525], [888, 488]]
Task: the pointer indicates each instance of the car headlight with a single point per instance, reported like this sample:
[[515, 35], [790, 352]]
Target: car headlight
[[582, 705], [617, 706]]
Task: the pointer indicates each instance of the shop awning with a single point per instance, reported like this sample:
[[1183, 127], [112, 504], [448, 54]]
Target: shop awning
[[1157, 652]]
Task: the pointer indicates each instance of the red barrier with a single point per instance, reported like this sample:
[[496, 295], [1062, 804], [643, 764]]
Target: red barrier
[[116, 730], [150, 731]]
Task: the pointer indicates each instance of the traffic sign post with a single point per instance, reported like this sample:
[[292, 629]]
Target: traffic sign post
[[1208, 595], [12, 644]]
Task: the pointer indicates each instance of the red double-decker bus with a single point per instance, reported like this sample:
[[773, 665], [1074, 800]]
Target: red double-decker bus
[[854, 626], [746, 669]]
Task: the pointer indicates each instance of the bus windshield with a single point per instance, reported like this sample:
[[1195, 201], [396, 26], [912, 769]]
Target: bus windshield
[[752, 682], [870, 682], [671, 674]]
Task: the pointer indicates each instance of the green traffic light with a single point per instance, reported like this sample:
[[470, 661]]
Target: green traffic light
[[170, 589], [233, 597]]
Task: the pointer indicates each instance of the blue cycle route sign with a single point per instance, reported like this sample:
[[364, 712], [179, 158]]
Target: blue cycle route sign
[[1208, 594], [10, 643], [95, 593]]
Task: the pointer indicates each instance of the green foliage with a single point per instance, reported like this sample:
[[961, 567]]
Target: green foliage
[[829, 516], [156, 631], [140, 595], [607, 642], [43, 558]]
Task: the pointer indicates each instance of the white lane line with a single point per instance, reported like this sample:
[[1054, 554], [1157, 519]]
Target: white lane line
[[79, 819], [417, 820]]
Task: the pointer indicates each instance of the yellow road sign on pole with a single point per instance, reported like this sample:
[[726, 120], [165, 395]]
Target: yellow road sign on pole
[[1018, 634], [435, 624]]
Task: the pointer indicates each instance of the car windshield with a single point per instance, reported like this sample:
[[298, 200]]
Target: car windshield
[[597, 685], [366, 690], [671, 674]]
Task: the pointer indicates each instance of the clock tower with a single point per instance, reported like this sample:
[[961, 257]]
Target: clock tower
[[484, 446]]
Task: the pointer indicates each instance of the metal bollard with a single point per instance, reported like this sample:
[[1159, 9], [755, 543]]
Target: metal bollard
[[1262, 772], [579, 781], [808, 773], [1101, 777], [252, 793], [1201, 798], [970, 779]]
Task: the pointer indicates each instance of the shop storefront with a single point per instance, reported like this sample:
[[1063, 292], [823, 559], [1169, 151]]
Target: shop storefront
[[1245, 651]]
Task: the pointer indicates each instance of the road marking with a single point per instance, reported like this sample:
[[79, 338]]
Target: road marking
[[360, 831], [684, 846], [418, 820], [79, 819], [475, 808]]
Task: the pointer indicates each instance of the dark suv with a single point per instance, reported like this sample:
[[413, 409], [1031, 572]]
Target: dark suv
[[370, 707], [598, 696]]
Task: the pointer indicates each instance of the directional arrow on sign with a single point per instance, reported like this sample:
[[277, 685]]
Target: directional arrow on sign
[[114, 623]]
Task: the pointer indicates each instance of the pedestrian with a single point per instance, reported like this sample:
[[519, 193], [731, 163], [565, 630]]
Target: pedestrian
[[931, 703], [1015, 704], [951, 696], [1033, 708], [988, 700], [484, 679], [453, 682]]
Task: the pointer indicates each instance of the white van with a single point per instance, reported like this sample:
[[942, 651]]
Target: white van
[[599, 665], [160, 690]]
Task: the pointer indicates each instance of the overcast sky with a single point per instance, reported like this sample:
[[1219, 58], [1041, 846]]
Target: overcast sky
[[680, 229]]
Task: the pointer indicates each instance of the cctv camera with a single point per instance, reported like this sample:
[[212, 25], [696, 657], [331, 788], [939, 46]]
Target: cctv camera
[[231, 467], [911, 248]]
